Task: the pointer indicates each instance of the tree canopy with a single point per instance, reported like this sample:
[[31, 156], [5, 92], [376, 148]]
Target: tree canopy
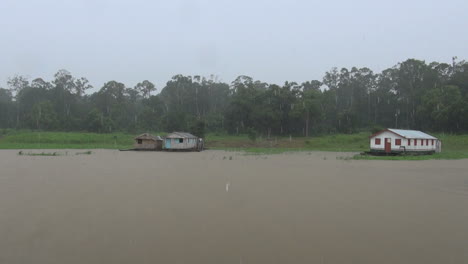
[[412, 95]]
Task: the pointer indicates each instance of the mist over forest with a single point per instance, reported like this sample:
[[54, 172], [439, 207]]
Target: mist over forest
[[413, 94]]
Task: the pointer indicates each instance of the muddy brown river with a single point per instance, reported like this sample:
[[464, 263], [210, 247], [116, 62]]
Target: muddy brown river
[[226, 207]]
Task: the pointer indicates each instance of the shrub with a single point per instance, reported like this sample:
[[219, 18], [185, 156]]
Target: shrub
[[376, 129], [252, 134]]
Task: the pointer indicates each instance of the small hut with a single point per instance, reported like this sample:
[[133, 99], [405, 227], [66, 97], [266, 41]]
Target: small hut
[[399, 140], [148, 142], [182, 141]]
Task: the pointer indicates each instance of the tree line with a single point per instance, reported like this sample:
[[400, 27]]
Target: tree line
[[411, 95]]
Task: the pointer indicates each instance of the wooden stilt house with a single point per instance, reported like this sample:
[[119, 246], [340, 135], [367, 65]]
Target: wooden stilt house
[[148, 142]]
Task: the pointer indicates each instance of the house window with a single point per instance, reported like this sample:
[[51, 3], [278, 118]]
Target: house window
[[432, 142], [415, 142], [427, 142], [181, 140], [409, 142], [140, 141], [398, 142], [377, 141]]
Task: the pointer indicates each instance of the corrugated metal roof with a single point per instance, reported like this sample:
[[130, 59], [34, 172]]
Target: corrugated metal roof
[[180, 135], [411, 133]]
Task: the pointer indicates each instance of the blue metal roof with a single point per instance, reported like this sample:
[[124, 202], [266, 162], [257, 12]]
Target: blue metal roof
[[411, 133]]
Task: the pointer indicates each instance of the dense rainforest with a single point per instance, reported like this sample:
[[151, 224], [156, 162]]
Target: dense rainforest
[[413, 94]]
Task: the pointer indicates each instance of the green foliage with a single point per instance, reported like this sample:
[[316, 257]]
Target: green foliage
[[376, 129], [62, 140], [21, 153], [96, 121], [336, 142], [252, 134], [43, 116], [198, 128], [89, 152], [443, 108], [145, 87], [412, 94], [453, 146]]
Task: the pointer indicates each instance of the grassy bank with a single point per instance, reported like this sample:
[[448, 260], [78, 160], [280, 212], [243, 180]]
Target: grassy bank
[[453, 146], [339, 142], [64, 140], [83, 140]]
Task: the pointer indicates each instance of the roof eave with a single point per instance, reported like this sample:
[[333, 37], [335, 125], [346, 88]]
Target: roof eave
[[385, 130]]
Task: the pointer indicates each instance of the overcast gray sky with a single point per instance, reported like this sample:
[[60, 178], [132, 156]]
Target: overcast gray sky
[[273, 41]]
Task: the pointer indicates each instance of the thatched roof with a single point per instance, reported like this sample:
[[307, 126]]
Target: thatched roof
[[180, 135], [147, 136]]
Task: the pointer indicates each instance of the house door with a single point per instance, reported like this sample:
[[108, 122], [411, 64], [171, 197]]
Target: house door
[[388, 145], [168, 143]]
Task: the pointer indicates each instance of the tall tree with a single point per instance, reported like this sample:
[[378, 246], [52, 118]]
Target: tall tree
[[145, 87], [16, 84]]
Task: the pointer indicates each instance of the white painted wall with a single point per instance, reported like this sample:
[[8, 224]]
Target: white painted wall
[[404, 143], [188, 143]]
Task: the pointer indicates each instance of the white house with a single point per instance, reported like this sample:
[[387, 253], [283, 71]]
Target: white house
[[398, 140], [182, 141]]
